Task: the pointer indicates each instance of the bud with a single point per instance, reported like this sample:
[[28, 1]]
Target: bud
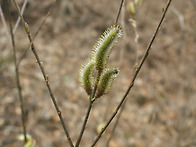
[[131, 8]]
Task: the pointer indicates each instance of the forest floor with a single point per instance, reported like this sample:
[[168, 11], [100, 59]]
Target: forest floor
[[161, 108]]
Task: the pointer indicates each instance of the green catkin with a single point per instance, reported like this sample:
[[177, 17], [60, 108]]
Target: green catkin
[[86, 76], [107, 77], [104, 45]]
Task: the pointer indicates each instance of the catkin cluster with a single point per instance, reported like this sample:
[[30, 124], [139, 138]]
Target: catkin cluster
[[95, 71]]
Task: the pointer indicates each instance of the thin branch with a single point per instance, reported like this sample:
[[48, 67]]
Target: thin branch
[[5, 24], [180, 17], [116, 123], [119, 11], [23, 118], [84, 123], [91, 101], [44, 75], [135, 75], [22, 12], [194, 3], [36, 33]]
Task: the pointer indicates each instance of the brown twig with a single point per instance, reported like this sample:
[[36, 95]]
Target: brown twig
[[135, 74], [19, 88], [116, 123], [118, 14], [84, 123], [91, 101], [23, 117], [36, 33], [5, 24], [44, 75], [22, 11]]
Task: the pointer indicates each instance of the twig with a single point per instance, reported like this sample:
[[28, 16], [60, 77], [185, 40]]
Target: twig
[[23, 118], [5, 24], [91, 101], [194, 3], [116, 123], [180, 17], [19, 88], [44, 75], [84, 123], [135, 75], [36, 33], [119, 11], [22, 12]]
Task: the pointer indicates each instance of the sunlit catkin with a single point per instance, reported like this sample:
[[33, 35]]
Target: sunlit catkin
[[104, 45], [86, 76]]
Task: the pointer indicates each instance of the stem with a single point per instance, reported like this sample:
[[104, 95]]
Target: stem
[[91, 101], [5, 24], [36, 33], [135, 75], [119, 11], [17, 74], [44, 75], [84, 124], [116, 123], [22, 11]]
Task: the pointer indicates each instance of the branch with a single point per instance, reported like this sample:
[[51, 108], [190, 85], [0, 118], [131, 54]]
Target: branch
[[91, 101], [116, 123], [23, 118], [119, 11], [84, 123], [5, 24], [44, 75], [135, 74], [36, 33], [22, 12]]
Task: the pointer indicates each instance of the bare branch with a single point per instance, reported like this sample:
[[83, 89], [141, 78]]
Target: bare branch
[[5, 24], [22, 12], [23, 117], [37, 32], [26, 27], [119, 11]]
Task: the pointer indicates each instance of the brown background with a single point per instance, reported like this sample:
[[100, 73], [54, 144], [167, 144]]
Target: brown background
[[161, 108]]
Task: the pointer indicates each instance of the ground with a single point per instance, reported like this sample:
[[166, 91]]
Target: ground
[[160, 110]]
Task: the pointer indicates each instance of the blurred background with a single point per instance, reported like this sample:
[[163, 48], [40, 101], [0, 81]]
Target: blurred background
[[161, 108]]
